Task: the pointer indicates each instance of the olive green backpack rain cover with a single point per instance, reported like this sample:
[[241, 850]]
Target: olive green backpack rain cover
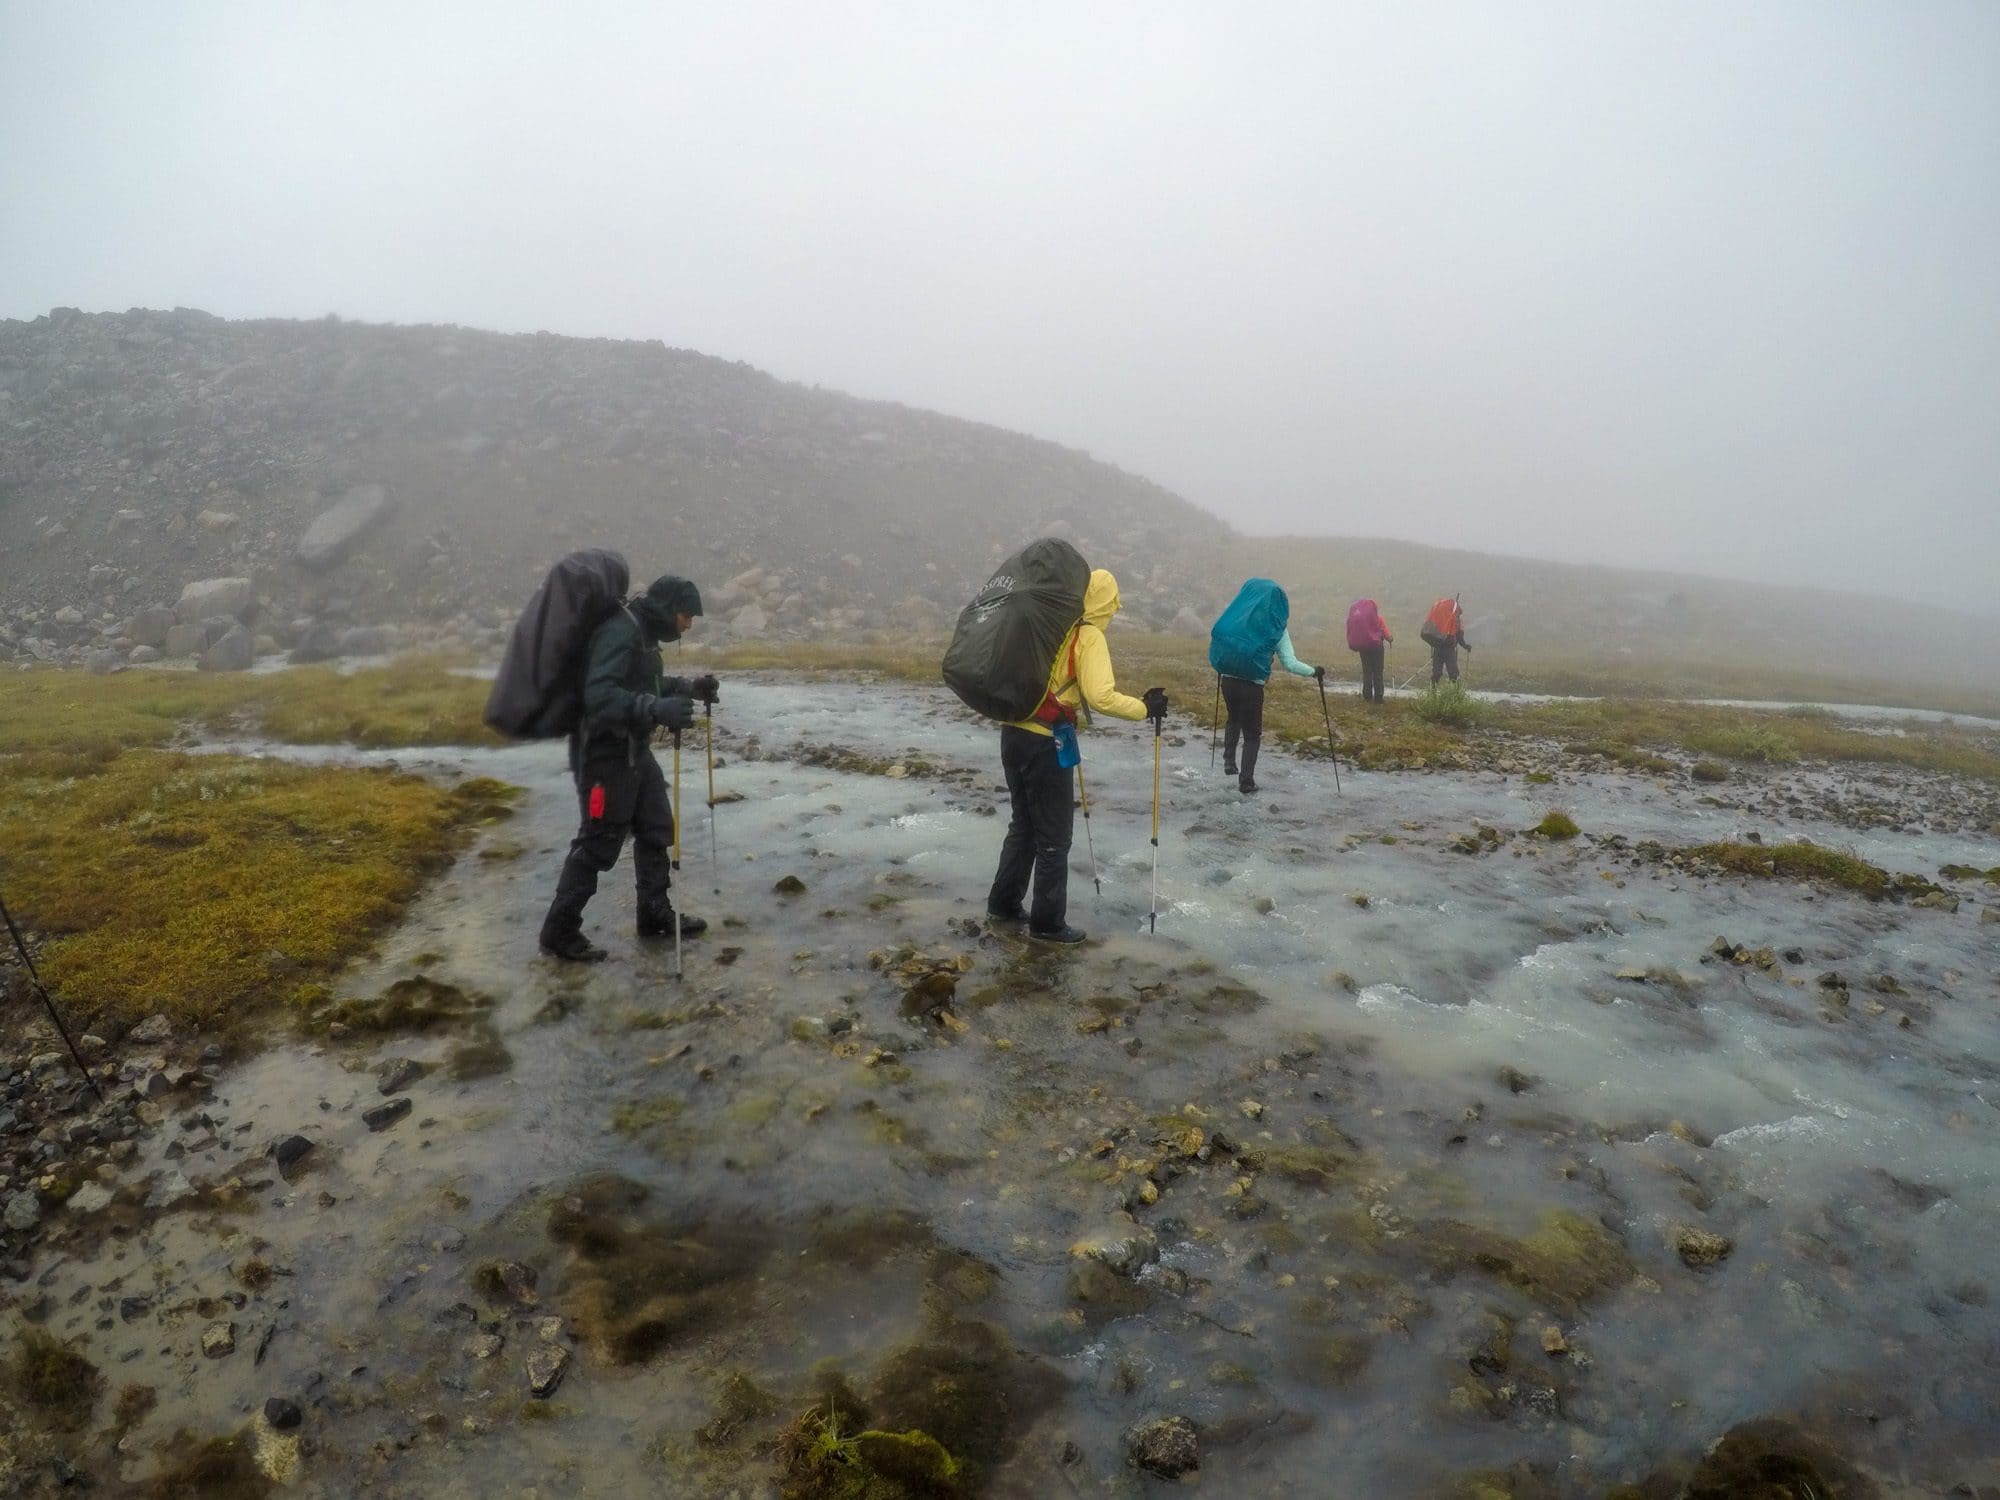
[[1006, 639]]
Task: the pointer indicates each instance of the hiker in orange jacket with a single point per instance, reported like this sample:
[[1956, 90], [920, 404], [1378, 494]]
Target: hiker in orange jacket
[[1444, 631]]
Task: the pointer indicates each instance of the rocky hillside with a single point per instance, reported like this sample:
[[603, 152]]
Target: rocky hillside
[[171, 483], [360, 477]]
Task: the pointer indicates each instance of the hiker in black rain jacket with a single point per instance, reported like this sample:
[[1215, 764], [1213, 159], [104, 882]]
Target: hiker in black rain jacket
[[619, 787]]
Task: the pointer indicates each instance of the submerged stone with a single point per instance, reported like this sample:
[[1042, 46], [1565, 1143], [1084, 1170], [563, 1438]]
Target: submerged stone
[[1166, 1446]]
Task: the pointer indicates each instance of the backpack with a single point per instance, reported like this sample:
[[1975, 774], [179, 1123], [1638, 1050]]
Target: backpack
[[1242, 641], [1442, 624], [1364, 625], [538, 691], [1005, 643]]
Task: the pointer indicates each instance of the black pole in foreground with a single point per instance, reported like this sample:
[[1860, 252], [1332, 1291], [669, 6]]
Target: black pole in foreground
[[1327, 714], [21, 947], [1153, 915]]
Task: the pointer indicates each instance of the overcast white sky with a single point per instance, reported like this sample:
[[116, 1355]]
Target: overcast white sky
[[1712, 286]]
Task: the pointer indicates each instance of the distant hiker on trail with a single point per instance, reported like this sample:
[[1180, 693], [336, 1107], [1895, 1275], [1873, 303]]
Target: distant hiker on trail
[[619, 787], [1240, 647], [1368, 633], [1038, 783], [1444, 630]]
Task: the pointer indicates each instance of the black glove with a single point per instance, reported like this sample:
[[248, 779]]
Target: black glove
[[673, 713], [1319, 674], [705, 689], [1155, 699]]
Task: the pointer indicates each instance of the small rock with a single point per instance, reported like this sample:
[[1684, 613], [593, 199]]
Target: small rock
[[397, 1073], [382, 1116], [790, 885], [1166, 1446], [552, 1330], [151, 1031], [1937, 901], [484, 1345], [1124, 1248], [1701, 1248], [91, 1198], [1553, 1342], [218, 1340], [23, 1211], [289, 1152], [281, 1414], [545, 1370]]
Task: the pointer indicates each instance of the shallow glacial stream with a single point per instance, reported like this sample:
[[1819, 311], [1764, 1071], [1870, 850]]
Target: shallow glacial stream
[[1370, 1162]]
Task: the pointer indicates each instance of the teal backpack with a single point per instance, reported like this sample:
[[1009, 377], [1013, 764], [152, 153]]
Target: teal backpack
[[1244, 638]]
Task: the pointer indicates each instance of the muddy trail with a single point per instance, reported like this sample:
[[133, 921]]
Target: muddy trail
[[1413, 1155]]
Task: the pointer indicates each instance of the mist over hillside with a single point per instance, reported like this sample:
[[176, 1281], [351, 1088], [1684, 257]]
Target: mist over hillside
[[375, 484]]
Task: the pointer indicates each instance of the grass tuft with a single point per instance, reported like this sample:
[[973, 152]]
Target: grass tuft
[[1557, 824], [1449, 703], [52, 1379]]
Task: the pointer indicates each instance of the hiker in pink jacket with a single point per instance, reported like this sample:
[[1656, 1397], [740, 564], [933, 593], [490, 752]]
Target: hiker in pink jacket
[[1368, 633]]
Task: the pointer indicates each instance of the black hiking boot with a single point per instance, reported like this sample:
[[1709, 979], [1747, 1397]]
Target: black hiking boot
[[572, 947], [1018, 917], [1067, 936], [1247, 788], [660, 924], [1228, 769]]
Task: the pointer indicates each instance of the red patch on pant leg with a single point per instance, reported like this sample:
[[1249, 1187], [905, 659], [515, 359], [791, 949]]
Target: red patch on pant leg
[[597, 802]]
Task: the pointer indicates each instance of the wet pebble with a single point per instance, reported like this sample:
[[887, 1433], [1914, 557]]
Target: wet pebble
[[397, 1073], [382, 1116], [290, 1151], [282, 1414], [545, 1369], [1701, 1248], [1166, 1446], [23, 1211], [218, 1340]]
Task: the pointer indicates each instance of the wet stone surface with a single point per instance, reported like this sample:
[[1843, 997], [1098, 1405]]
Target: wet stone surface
[[1423, 1191]]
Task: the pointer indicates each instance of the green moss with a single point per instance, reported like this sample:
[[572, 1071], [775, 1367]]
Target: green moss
[[637, 1116], [481, 1058], [1557, 824], [412, 1005], [219, 1468], [1708, 771], [1307, 1165], [820, 1464], [1746, 742], [1535, 778], [202, 886], [1331, 1361], [1569, 1260], [1796, 861], [51, 1379], [1971, 872], [740, 1402]]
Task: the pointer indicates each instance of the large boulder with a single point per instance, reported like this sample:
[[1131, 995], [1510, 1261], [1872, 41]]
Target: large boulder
[[150, 625], [214, 596], [335, 530], [317, 643], [233, 653], [1187, 622], [185, 640]]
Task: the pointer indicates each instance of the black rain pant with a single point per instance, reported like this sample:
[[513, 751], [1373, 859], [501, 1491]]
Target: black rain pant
[[616, 798], [1444, 659], [1039, 833], [1371, 673], [1245, 702]]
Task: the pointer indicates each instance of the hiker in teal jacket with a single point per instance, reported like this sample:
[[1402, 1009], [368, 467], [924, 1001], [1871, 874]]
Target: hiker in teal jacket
[[1255, 628]]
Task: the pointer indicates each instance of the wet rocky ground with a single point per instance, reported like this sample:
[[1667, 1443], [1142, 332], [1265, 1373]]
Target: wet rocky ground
[[1413, 1154]]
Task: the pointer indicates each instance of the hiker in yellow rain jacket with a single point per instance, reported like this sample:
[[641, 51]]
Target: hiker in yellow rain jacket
[[1044, 816]]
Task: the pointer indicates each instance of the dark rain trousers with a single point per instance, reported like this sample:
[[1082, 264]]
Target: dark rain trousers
[[617, 796], [1039, 833], [1245, 703], [1444, 659], [1371, 673]]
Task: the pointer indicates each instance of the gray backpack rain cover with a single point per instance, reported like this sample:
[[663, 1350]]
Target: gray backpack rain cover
[[1006, 640]]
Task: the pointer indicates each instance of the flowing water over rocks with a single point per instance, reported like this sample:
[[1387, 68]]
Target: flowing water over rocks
[[1406, 1159]]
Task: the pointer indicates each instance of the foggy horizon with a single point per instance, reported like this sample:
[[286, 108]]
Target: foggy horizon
[[1688, 289]]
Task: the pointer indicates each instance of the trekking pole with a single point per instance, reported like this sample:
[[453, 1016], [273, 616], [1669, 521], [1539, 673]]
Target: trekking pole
[[708, 739], [21, 947], [1215, 721], [1088, 842], [1153, 914], [1327, 714], [676, 865]]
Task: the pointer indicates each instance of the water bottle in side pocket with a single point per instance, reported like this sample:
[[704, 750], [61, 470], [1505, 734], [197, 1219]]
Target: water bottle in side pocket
[[1068, 751]]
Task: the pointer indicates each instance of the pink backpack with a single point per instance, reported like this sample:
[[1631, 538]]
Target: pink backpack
[[1364, 625]]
